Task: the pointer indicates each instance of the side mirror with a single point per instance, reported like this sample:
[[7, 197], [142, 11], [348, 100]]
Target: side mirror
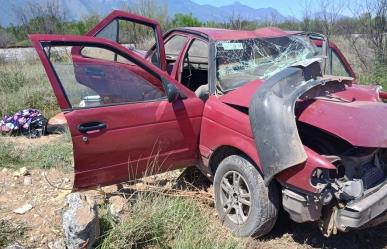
[[172, 93]]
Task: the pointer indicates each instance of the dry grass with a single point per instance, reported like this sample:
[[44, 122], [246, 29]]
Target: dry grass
[[166, 212], [25, 85], [10, 232], [44, 152]]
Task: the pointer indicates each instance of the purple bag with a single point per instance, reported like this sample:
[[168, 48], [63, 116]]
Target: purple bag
[[29, 122]]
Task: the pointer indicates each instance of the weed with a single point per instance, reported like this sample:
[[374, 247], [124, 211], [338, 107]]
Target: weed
[[157, 221], [25, 85], [8, 155], [10, 232], [55, 153]]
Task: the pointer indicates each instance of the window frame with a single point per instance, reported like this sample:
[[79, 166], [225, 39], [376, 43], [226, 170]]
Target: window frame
[[186, 50], [117, 36], [170, 38], [136, 62], [332, 53]]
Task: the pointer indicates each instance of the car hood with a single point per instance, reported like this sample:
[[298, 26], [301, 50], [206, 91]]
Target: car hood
[[273, 104], [361, 123]]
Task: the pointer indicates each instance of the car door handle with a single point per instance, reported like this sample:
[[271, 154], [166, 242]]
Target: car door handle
[[91, 126]]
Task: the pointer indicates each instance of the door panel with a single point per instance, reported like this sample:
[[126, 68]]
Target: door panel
[[119, 129]]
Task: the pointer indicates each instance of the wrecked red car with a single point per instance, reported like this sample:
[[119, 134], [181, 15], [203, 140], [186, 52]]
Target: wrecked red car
[[257, 111]]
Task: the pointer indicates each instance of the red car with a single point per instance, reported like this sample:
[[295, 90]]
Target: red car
[[256, 111]]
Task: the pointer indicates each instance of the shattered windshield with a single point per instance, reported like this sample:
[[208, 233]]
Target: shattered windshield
[[242, 61]]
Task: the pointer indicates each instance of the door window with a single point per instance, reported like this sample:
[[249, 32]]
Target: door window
[[134, 36], [338, 67], [98, 82], [174, 46]]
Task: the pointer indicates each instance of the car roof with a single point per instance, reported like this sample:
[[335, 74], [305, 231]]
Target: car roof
[[229, 34]]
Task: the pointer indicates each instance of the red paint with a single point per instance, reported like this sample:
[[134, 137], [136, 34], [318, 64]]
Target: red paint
[[383, 95], [136, 135], [271, 32], [299, 176], [243, 95], [352, 121], [181, 133]]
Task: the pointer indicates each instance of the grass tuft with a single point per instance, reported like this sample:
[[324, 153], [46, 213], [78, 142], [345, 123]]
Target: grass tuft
[[25, 85], [10, 232], [55, 153], [156, 221]]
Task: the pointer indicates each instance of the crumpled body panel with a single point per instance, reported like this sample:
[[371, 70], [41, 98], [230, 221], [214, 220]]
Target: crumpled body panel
[[273, 121], [361, 123]]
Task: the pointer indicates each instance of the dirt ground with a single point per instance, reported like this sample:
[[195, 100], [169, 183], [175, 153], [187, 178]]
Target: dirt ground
[[43, 221], [48, 188]]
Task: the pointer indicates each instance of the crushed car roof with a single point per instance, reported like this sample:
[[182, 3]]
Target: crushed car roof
[[228, 34]]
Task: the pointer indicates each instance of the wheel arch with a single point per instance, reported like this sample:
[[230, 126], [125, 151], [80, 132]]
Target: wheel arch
[[224, 151]]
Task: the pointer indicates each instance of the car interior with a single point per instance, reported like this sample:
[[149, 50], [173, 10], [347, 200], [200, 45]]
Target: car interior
[[194, 73], [194, 69]]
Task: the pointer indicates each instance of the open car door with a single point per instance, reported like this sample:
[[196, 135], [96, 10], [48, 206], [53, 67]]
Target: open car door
[[125, 116], [137, 33]]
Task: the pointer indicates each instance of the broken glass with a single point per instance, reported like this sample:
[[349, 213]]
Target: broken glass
[[242, 61]]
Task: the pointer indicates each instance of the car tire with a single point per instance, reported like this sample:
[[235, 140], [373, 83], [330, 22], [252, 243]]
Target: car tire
[[247, 207]]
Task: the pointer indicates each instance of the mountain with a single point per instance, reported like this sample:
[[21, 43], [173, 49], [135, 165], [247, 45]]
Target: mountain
[[77, 9]]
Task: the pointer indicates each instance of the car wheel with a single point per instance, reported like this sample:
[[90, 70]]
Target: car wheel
[[245, 205]]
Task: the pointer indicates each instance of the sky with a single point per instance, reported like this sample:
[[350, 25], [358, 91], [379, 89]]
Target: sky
[[285, 7], [288, 8]]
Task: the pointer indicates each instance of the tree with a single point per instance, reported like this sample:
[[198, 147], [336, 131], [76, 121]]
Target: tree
[[150, 8], [6, 39], [46, 17], [329, 13], [183, 20]]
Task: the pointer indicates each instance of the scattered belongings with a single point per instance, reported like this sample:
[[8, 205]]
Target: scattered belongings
[[28, 122], [23, 209], [57, 124]]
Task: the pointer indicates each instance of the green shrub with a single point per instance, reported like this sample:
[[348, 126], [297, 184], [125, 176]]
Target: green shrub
[[157, 221], [11, 80], [378, 76], [25, 85], [8, 155]]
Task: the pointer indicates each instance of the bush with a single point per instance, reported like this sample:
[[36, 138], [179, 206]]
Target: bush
[[6, 39], [182, 20], [25, 85], [163, 222], [53, 153], [377, 76], [10, 232]]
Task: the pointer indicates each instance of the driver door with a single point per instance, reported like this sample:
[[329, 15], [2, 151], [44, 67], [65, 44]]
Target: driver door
[[121, 122]]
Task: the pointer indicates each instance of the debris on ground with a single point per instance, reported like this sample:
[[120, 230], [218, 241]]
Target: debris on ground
[[29, 122], [117, 205], [80, 221], [23, 209], [27, 180], [57, 124], [59, 244], [21, 172], [14, 246]]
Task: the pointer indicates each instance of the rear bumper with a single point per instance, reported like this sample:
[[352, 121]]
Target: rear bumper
[[360, 212]]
